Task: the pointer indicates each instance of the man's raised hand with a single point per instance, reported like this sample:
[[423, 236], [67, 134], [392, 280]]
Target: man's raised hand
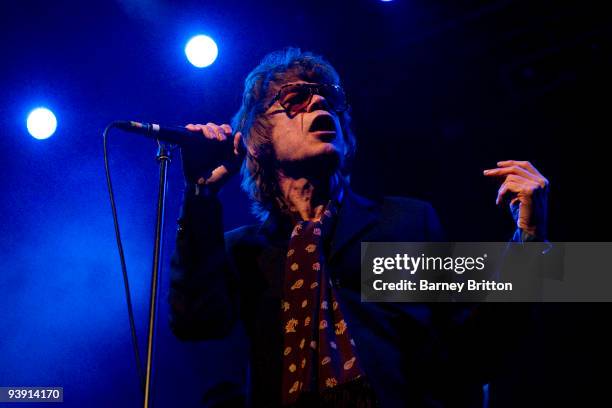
[[529, 191]]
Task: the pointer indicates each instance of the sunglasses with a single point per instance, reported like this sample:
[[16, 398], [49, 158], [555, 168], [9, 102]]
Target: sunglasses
[[295, 98]]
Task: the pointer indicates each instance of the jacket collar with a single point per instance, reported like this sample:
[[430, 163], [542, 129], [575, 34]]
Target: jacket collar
[[355, 215]]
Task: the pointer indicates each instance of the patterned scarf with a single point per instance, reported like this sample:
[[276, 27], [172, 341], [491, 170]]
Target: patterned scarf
[[318, 353]]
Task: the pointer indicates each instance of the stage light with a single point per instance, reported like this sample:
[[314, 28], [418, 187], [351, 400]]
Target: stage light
[[201, 51], [41, 123]]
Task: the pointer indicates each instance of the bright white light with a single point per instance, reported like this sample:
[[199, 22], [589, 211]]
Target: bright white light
[[41, 123], [201, 51]]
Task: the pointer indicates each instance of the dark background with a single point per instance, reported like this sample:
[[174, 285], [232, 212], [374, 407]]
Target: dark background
[[440, 90]]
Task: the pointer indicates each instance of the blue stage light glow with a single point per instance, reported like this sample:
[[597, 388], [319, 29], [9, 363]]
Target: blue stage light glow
[[201, 51], [41, 123]]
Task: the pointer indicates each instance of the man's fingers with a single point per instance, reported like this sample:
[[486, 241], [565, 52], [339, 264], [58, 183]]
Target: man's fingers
[[520, 163], [517, 170], [515, 184], [217, 131], [503, 171], [501, 193], [217, 174], [198, 128], [506, 187], [205, 130], [211, 130], [227, 129]]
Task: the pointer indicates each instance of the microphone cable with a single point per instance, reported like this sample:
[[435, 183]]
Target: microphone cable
[[126, 284]]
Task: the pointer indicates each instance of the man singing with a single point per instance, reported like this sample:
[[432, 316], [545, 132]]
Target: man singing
[[294, 279]]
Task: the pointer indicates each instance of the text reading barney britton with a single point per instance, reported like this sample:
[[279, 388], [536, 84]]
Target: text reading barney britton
[[415, 264]]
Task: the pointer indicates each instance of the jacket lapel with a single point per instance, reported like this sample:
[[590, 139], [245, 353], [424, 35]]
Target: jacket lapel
[[356, 214]]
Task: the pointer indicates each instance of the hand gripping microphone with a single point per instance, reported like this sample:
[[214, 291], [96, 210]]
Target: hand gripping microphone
[[197, 150]]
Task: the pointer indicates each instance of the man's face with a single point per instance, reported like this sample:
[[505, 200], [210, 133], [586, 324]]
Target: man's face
[[311, 136]]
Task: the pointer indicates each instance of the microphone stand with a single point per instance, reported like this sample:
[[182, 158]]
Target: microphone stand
[[163, 156]]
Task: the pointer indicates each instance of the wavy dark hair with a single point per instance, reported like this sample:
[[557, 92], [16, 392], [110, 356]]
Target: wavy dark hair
[[259, 169]]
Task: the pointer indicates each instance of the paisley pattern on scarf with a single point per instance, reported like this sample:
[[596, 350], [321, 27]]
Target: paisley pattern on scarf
[[318, 352]]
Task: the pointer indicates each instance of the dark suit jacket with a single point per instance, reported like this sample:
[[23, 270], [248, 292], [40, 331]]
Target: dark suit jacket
[[218, 279]]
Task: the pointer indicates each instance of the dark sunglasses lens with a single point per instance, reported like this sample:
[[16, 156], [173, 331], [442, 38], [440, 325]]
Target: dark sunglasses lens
[[335, 97], [295, 99]]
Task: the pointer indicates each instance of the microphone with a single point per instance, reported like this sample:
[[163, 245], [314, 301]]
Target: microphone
[[200, 154], [176, 135]]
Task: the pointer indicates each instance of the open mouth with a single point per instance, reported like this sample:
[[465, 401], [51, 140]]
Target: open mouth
[[323, 123]]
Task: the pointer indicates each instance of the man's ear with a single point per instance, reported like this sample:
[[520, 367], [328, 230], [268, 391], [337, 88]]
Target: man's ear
[[252, 152], [240, 146]]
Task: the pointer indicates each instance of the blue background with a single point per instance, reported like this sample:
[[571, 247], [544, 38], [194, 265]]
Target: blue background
[[440, 90]]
